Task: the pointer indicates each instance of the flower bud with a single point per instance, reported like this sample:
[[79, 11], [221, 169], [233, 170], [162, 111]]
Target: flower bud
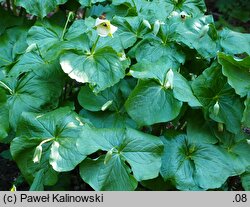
[[71, 16], [216, 108], [146, 23], [169, 82], [38, 154], [157, 26]]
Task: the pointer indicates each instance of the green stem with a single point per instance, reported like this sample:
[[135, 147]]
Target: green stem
[[6, 87], [66, 25], [46, 140], [94, 46], [39, 52]]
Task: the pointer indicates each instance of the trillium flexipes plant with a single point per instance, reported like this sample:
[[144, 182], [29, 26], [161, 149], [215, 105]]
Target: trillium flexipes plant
[[129, 92]]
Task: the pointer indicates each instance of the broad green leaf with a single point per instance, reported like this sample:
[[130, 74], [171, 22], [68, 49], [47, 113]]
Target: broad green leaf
[[234, 42], [32, 61], [111, 99], [193, 166], [151, 103], [245, 179], [104, 176], [32, 93], [193, 7], [101, 69], [37, 184], [200, 130], [158, 70], [39, 8], [56, 132], [141, 151], [4, 115], [12, 43], [153, 49], [237, 72], [49, 38], [236, 150], [108, 119], [22, 149], [246, 114], [89, 2], [211, 87], [193, 32]]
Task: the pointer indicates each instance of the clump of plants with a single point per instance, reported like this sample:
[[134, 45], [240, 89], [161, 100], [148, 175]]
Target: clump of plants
[[130, 92]]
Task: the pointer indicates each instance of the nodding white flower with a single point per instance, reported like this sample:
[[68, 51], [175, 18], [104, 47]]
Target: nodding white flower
[[104, 28], [38, 154], [169, 82], [157, 26], [146, 23], [216, 108]]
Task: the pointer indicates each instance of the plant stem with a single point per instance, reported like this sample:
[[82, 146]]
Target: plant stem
[[6, 87], [65, 27], [39, 52], [94, 46]]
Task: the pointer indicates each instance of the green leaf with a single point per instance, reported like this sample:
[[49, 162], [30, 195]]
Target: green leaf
[[191, 6], [108, 119], [246, 114], [236, 150], [245, 179], [151, 103], [158, 70], [89, 2], [200, 130], [104, 176], [237, 72], [57, 133], [4, 116], [32, 92], [141, 151], [96, 102], [234, 42], [37, 184], [39, 8], [154, 49], [193, 166], [194, 34], [12, 43], [212, 87], [101, 69]]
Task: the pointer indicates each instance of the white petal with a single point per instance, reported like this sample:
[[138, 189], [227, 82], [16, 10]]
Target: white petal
[[113, 29], [100, 21]]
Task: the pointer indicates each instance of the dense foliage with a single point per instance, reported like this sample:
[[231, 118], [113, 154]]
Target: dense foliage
[[149, 93]]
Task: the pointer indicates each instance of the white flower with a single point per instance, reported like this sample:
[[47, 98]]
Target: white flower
[[216, 108], [169, 82], [37, 154], [157, 26], [146, 23], [104, 28]]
